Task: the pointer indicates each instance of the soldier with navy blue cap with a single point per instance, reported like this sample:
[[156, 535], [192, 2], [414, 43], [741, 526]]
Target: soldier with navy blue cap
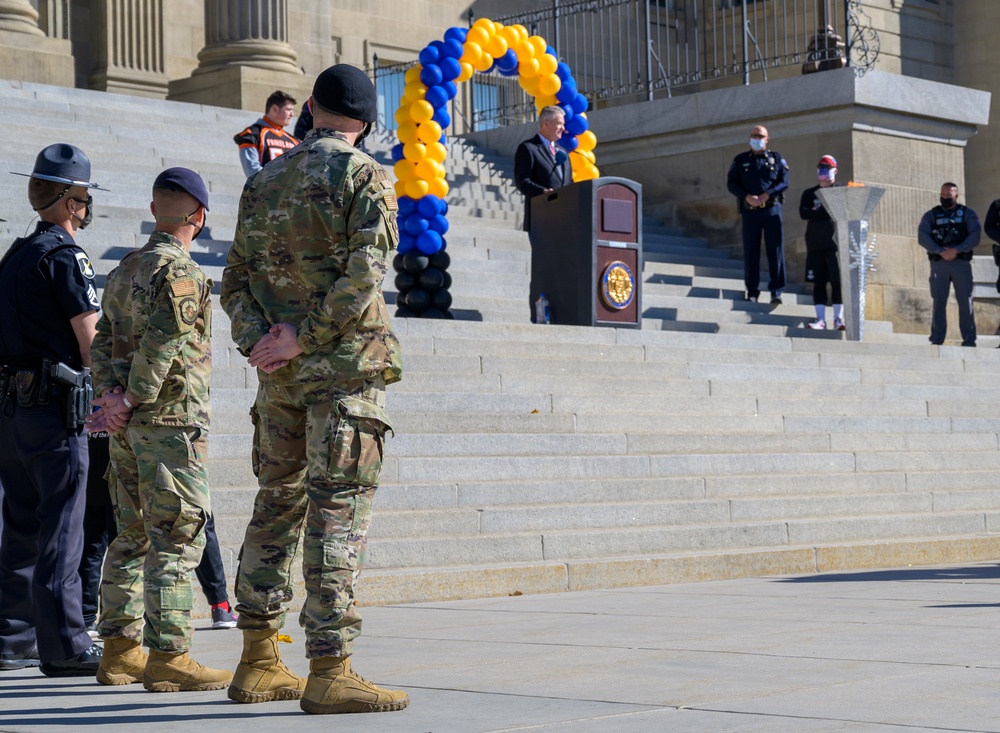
[[47, 291], [152, 368]]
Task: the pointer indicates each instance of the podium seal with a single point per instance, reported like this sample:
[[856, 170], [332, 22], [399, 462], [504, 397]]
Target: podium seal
[[617, 285]]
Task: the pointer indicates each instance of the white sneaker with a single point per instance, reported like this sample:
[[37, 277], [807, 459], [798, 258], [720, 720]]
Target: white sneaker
[[838, 323], [817, 325]]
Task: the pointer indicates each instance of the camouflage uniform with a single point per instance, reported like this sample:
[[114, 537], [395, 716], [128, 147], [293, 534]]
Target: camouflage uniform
[[153, 340], [315, 232]]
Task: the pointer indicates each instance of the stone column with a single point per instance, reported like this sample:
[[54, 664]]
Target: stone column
[[27, 53], [129, 35], [246, 56]]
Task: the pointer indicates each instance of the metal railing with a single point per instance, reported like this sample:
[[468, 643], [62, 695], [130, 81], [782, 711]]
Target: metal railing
[[624, 51]]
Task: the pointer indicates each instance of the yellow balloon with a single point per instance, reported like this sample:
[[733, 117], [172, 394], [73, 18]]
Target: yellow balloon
[[402, 114], [545, 100], [486, 24], [414, 152], [524, 51], [467, 72], [547, 64], [539, 44], [588, 155], [528, 69], [509, 34], [437, 151], [400, 187], [478, 35], [548, 85], [413, 92], [412, 74], [404, 170], [497, 46], [522, 32], [407, 133], [485, 62], [529, 84], [438, 187], [416, 188], [429, 132], [587, 140], [472, 52], [428, 169], [421, 111]]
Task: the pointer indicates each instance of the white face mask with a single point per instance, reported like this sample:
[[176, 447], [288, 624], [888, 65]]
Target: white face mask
[[757, 144]]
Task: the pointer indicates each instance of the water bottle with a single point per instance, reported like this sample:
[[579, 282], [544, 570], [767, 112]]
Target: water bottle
[[542, 314]]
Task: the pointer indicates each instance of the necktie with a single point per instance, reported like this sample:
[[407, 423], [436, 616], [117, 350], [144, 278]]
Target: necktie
[[552, 148]]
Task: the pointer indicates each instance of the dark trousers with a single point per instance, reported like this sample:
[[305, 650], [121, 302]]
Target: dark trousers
[[766, 223], [43, 469], [943, 274], [211, 574], [98, 531]]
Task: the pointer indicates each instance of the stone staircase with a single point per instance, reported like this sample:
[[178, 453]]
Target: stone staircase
[[722, 439]]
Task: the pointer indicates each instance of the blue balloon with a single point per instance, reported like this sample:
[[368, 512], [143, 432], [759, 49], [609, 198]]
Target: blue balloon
[[397, 152], [442, 117], [569, 143], [450, 68], [551, 51], [566, 94], [444, 207], [429, 242], [567, 111], [451, 88], [577, 125], [437, 46], [508, 61], [580, 104], [563, 72], [406, 206], [444, 138], [492, 67], [511, 72], [431, 75], [456, 33], [428, 56], [407, 243], [452, 48], [439, 224], [416, 225], [437, 96], [430, 206]]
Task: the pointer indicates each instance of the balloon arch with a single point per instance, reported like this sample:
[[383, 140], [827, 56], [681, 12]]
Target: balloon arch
[[422, 117]]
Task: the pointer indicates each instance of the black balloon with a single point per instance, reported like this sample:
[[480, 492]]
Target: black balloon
[[405, 281], [441, 299], [403, 312], [432, 313], [397, 263], [414, 262], [418, 300], [431, 279], [440, 260], [447, 281]]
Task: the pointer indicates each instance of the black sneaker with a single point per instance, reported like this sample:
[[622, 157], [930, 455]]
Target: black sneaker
[[84, 664], [20, 661], [223, 619], [775, 300]]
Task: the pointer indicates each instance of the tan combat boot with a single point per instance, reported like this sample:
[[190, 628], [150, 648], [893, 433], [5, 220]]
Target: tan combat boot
[[333, 688], [122, 663], [261, 675], [177, 672]]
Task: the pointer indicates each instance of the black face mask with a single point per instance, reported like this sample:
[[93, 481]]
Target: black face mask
[[364, 134], [204, 222], [89, 216], [947, 203]]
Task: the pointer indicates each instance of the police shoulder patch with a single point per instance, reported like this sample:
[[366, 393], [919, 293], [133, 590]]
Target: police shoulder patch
[[83, 262]]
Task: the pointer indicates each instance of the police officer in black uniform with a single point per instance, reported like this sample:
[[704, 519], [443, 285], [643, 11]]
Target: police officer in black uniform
[[49, 301], [949, 232], [758, 179]]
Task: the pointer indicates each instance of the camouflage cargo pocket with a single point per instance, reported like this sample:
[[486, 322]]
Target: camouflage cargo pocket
[[355, 442]]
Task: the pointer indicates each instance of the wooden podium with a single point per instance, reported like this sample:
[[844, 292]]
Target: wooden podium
[[586, 253]]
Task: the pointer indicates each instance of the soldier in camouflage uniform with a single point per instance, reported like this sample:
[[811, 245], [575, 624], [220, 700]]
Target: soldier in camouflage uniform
[[152, 366], [303, 287]]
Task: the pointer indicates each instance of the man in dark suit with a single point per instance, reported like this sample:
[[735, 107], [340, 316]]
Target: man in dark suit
[[538, 166]]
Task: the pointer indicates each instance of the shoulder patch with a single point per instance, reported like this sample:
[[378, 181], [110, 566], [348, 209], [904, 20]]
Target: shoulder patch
[[86, 268], [182, 287], [391, 203]]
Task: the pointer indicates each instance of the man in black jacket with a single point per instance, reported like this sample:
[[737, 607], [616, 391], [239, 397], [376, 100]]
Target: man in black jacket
[[822, 266], [538, 166]]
